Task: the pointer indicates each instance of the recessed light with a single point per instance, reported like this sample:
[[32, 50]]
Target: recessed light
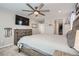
[[59, 11]]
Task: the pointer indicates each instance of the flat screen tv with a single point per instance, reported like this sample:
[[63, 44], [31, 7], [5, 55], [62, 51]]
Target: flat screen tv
[[21, 20]]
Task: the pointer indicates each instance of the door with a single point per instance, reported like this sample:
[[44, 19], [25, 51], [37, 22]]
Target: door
[[60, 30]]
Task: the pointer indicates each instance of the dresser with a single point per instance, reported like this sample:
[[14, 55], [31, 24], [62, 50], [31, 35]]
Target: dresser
[[18, 33]]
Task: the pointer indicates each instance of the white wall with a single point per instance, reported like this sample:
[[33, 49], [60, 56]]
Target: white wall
[[48, 28], [41, 28], [66, 27]]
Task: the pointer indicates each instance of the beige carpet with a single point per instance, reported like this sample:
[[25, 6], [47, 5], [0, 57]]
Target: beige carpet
[[11, 51]]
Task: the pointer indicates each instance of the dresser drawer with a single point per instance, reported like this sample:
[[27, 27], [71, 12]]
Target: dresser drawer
[[18, 33]]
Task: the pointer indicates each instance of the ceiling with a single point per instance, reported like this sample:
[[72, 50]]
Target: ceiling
[[56, 9]]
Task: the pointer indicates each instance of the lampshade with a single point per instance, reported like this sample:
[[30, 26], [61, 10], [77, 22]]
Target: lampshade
[[76, 45]]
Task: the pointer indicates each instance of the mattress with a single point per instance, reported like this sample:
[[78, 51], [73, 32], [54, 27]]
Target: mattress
[[47, 43]]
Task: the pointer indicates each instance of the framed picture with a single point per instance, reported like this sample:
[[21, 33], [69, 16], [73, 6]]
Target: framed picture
[[8, 32]]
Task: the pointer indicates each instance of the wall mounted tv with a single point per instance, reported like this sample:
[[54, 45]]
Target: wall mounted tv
[[21, 20]]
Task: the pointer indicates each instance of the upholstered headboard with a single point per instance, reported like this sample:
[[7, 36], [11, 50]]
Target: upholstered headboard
[[18, 33]]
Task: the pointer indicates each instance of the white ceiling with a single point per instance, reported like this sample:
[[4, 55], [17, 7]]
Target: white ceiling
[[65, 8]]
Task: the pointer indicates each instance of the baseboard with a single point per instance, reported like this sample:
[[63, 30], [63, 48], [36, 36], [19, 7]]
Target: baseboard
[[6, 45]]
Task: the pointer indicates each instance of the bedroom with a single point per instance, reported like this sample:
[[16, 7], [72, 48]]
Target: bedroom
[[55, 23]]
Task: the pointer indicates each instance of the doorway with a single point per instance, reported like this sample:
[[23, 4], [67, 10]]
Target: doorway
[[60, 30]]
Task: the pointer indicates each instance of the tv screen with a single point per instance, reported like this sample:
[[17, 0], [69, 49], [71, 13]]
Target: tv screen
[[21, 20]]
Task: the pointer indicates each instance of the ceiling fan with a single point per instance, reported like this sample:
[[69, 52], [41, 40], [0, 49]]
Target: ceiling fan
[[36, 10]]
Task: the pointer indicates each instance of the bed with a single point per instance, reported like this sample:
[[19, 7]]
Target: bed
[[46, 43]]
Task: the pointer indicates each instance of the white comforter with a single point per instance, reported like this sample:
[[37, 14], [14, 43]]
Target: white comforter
[[47, 43]]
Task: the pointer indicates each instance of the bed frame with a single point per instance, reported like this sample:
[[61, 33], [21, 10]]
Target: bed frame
[[32, 51]]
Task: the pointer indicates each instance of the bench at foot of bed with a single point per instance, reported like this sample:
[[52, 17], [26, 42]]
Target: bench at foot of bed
[[61, 53]]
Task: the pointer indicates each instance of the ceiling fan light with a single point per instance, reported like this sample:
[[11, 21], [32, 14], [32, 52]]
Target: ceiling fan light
[[36, 13]]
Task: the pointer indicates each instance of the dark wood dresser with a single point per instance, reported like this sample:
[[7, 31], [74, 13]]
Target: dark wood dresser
[[18, 33]]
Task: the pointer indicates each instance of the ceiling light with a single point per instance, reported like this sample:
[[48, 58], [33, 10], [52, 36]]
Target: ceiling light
[[36, 13], [59, 11]]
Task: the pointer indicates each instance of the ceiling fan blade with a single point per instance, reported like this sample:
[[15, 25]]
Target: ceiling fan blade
[[30, 14], [41, 14], [44, 10], [30, 6], [41, 5], [28, 10]]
